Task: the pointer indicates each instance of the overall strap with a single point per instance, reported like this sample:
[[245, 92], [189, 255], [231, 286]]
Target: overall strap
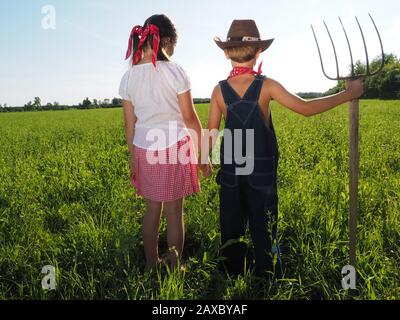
[[253, 94], [229, 95]]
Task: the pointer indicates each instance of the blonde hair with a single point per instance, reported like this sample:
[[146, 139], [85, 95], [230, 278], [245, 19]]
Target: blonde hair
[[241, 54]]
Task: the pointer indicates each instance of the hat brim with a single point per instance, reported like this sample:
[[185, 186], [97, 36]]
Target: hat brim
[[262, 44]]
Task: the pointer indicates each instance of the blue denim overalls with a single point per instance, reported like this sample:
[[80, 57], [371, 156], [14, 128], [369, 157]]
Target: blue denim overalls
[[252, 198]]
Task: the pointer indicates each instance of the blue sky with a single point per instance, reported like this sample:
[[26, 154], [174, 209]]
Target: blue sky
[[83, 56]]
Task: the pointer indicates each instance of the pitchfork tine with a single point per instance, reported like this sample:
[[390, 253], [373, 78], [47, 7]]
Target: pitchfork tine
[[365, 46], [334, 50], [353, 75], [348, 43], [320, 55], [383, 53]]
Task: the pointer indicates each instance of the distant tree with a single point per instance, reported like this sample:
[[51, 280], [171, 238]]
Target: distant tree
[[201, 100], [48, 106], [28, 106], [37, 102], [309, 95], [86, 103], [385, 85], [116, 102]]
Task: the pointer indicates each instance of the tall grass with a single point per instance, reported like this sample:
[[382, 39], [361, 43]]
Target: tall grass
[[66, 201]]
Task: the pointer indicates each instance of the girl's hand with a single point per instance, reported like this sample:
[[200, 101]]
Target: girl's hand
[[355, 88], [206, 168]]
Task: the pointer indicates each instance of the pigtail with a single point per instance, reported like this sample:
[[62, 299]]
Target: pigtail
[[135, 45]]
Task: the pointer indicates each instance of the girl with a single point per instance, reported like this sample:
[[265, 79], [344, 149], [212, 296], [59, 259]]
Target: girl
[[243, 100], [159, 113]]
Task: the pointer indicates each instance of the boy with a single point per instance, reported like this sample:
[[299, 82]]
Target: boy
[[243, 100]]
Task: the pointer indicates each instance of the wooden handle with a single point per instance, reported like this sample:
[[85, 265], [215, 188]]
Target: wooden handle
[[354, 168]]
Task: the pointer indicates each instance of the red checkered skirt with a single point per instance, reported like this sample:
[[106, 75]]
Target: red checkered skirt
[[166, 175]]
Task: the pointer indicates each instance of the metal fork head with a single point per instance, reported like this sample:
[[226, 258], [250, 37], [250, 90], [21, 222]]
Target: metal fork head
[[368, 72]]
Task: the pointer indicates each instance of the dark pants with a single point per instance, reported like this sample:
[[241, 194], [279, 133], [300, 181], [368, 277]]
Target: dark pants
[[242, 205]]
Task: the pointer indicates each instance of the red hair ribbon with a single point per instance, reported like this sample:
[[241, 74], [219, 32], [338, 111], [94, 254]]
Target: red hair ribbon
[[238, 71], [143, 33]]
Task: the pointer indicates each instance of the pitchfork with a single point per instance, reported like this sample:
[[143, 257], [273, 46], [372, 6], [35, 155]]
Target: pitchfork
[[354, 116]]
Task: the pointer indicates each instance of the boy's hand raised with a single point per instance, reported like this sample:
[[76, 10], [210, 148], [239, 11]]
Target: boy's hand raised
[[355, 88]]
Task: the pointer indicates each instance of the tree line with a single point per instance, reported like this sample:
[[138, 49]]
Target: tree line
[[36, 105], [385, 85]]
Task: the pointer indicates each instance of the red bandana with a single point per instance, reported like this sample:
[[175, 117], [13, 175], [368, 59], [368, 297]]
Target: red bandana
[[238, 71], [143, 34]]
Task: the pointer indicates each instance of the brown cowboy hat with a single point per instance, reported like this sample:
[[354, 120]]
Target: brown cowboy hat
[[243, 33]]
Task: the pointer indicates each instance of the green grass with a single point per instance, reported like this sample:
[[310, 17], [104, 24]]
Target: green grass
[[65, 200]]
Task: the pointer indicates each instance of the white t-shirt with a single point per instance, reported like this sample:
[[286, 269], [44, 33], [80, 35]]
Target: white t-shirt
[[154, 95]]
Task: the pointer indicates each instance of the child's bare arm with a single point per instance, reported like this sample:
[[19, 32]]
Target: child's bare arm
[[130, 122], [192, 121], [190, 117], [354, 89], [214, 118]]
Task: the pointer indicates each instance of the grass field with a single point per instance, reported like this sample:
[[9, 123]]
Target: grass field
[[66, 201]]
